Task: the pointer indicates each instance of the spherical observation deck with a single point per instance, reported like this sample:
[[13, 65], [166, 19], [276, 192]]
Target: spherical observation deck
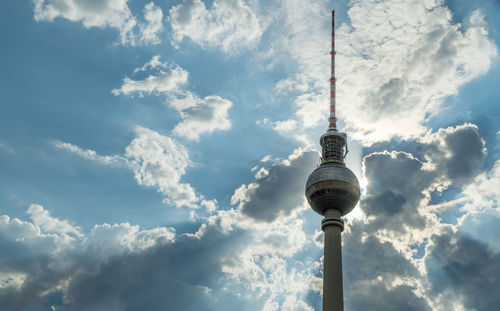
[[332, 186]]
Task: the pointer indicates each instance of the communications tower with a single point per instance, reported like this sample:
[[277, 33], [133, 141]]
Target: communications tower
[[332, 190]]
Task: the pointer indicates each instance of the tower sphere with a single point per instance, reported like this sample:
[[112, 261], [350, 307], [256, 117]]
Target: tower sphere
[[332, 186]]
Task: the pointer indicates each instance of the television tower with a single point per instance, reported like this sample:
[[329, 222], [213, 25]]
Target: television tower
[[332, 190]]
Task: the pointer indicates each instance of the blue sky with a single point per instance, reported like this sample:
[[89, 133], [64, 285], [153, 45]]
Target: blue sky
[[153, 154]]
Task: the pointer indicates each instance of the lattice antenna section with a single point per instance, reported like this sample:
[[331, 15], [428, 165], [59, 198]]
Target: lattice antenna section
[[333, 143]]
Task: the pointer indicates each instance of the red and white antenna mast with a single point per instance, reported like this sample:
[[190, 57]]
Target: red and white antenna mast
[[333, 119]]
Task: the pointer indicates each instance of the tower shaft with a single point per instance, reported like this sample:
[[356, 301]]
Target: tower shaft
[[333, 296]]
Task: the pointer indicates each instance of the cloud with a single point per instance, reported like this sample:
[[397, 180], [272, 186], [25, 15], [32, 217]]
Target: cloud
[[279, 191], [244, 260], [121, 267], [202, 116], [152, 64], [157, 161], [106, 13], [403, 244], [42, 263], [159, 83], [291, 304], [106, 241], [478, 206], [452, 156], [26, 270], [406, 64], [154, 26], [4, 146], [377, 297], [483, 193], [42, 218], [457, 151], [463, 269], [227, 24], [160, 161], [199, 115], [260, 269], [28, 235], [376, 275], [114, 160], [391, 197]]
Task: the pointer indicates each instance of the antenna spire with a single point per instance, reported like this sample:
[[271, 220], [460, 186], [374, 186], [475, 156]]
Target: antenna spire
[[333, 119]]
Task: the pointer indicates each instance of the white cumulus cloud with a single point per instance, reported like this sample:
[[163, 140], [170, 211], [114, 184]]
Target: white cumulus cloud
[[160, 82], [228, 24], [106, 13], [160, 161], [202, 115], [484, 192], [47, 223], [399, 60], [154, 26], [199, 115], [157, 161]]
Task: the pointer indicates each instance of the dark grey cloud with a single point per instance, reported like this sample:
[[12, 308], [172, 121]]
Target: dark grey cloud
[[377, 297], [281, 191], [24, 253], [176, 276], [375, 258], [466, 268], [458, 154], [398, 181], [369, 267], [182, 275], [40, 277]]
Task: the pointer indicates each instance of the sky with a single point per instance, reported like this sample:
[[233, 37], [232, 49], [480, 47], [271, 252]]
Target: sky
[[154, 154]]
